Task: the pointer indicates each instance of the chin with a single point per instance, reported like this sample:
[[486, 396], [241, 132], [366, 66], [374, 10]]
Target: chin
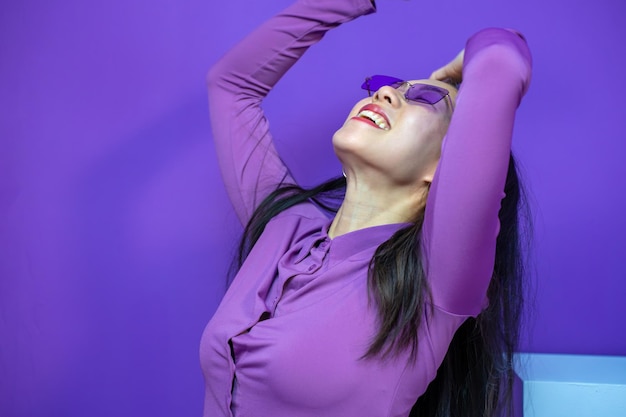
[[340, 139], [350, 137], [343, 145]]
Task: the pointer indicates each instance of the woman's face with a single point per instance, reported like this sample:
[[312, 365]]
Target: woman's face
[[391, 140]]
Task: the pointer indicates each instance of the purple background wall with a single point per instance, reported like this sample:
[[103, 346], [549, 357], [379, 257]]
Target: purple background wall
[[115, 231]]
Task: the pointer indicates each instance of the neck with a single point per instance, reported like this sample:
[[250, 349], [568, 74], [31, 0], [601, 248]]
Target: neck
[[365, 206]]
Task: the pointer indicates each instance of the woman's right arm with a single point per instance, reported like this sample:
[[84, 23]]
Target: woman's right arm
[[250, 165]]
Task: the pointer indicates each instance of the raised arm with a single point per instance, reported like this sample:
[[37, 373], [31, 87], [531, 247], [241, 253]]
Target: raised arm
[[461, 222], [250, 165]]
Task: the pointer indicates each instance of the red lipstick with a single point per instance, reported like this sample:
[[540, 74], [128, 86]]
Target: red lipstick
[[374, 108]]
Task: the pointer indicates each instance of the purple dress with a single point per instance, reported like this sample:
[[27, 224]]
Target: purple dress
[[305, 360]]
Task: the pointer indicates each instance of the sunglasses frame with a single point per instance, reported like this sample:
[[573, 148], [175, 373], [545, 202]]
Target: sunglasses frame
[[397, 83]]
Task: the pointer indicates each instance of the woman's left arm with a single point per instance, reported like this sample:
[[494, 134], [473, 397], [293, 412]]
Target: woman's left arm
[[461, 221]]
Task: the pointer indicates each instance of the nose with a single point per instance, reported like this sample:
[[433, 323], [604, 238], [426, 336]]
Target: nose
[[389, 94]]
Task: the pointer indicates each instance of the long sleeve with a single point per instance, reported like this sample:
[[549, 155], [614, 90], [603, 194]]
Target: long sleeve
[[461, 221], [237, 84]]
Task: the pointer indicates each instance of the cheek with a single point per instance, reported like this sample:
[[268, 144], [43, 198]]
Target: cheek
[[420, 147], [428, 127]]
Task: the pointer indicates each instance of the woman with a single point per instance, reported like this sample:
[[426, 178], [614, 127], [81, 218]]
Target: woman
[[349, 309]]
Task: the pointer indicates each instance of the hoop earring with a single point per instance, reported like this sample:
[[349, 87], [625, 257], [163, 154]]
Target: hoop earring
[[344, 173]]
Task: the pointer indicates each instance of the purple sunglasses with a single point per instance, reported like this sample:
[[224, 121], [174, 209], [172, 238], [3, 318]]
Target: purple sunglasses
[[420, 93]]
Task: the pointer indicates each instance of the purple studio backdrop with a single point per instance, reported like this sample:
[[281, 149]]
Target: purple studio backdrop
[[115, 230]]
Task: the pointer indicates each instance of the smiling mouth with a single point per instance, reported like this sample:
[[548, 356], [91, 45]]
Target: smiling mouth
[[376, 118]]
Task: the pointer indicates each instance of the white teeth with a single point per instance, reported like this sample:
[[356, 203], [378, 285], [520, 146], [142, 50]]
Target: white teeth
[[374, 117]]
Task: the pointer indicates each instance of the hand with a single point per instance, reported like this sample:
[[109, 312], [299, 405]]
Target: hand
[[452, 70]]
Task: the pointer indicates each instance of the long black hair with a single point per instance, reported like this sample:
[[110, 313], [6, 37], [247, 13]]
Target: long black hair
[[476, 376]]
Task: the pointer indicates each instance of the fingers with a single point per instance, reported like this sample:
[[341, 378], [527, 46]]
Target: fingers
[[453, 70], [447, 73], [439, 74]]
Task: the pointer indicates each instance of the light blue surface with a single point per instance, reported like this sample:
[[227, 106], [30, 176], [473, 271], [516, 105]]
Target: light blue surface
[[572, 385]]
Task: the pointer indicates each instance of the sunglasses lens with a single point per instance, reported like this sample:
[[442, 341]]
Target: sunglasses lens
[[375, 82], [423, 93]]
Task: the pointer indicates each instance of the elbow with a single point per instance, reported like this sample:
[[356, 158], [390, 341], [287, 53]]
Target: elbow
[[220, 74], [497, 49], [227, 78], [490, 37], [219, 80]]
